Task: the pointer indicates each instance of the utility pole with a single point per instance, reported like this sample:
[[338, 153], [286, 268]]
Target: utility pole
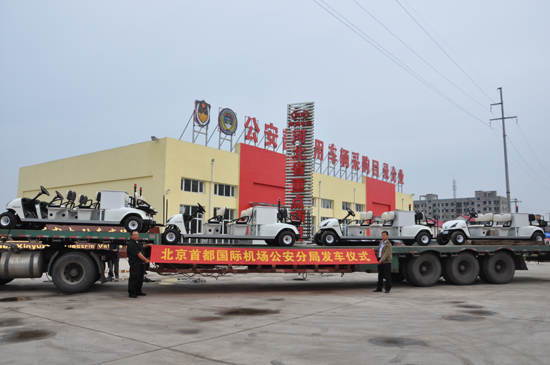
[[516, 201], [505, 150]]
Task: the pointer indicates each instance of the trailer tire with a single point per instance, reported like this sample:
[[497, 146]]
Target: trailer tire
[[458, 238], [329, 238], [444, 274], [499, 268], [462, 269], [73, 272], [8, 220], [537, 237], [133, 223], [397, 277], [481, 274], [5, 281], [403, 269], [286, 238], [423, 239], [171, 236], [424, 270], [442, 241]]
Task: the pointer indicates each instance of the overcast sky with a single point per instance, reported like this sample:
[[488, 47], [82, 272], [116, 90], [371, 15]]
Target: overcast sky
[[78, 77]]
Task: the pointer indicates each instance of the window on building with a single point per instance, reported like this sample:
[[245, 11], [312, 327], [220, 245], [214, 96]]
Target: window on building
[[452, 204], [346, 205], [224, 190], [325, 203], [489, 209], [484, 209], [446, 204], [359, 207], [313, 202], [193, 186], [485, 202], [195, 225]]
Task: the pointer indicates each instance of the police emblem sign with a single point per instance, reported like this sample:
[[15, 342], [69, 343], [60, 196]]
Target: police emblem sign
[[202, 113], [227, 121]]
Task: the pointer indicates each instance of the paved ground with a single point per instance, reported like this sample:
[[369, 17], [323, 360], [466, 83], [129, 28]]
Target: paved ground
[[276, 319]]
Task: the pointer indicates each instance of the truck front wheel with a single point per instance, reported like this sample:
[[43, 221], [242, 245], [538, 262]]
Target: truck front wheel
[[73, 272], [8, 220], [286, 238], [329, 238], [458, 238], [442, 240], [171, 236], [133, 224], [423, 239]]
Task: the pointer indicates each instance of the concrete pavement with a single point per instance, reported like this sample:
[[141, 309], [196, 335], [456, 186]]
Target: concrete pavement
[[278, 319]]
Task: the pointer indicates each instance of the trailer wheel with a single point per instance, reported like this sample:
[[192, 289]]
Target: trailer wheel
[[499, 268], [73, 272], [403, 269], [423, 239], [286, 238], [424, 270], [442, 241], [329, 238], [444, 274], [458, 238], [481, 274], [397, 277], [462, 269], [133, 224], [8, 220], [5, 281], [537, 237], [171, 236]]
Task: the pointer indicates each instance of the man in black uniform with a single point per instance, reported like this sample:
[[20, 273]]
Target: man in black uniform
[[136, 259]]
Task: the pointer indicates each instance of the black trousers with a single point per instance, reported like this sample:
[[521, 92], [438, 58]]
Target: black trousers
[[384, 272], [136, 278]]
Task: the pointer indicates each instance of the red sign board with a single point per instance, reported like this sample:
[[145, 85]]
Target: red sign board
[[261, 256]]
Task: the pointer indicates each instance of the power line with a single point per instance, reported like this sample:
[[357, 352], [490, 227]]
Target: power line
[[426, 62], [453, 61], [394, 59], [443, 40], [531, 148]]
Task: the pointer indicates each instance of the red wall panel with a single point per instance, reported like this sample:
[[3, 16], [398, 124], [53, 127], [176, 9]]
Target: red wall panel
[[380, 196], [262, 176]]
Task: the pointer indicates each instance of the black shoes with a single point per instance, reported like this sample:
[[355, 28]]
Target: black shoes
[[141, 294], [387, 291], [377, 290], [132, 296]]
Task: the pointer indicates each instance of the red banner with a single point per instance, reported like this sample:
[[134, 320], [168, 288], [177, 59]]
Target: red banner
[[261, 256]]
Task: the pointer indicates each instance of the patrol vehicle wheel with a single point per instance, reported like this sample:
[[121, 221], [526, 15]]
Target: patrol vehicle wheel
[[329, 238], [171, 236], [8, 220], [458, 238]]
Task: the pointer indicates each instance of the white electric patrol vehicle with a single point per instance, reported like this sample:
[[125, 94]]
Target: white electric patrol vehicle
[[111, 208], [263, 223], [489, 226], [400, 225]]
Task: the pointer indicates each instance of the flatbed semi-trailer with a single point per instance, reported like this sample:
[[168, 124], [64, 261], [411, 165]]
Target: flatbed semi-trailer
[[75, 259]]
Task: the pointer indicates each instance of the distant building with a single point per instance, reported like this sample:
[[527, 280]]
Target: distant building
[[446, 209]]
